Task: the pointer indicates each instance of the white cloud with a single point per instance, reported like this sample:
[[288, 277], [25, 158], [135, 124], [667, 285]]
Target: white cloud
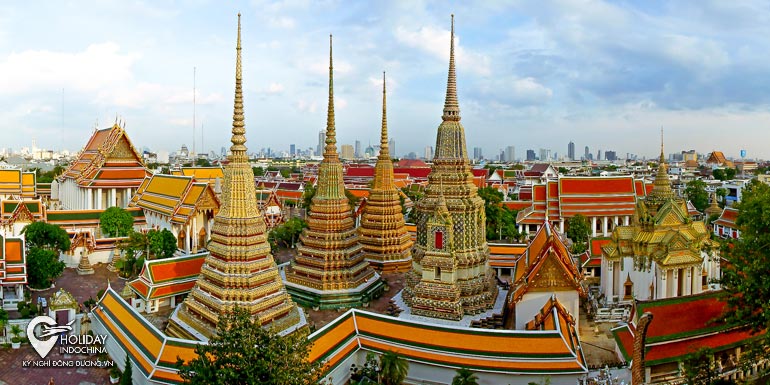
[[340, 103], [436, 42], [99, 66], [281, 22], [275, 88], [304, 106]]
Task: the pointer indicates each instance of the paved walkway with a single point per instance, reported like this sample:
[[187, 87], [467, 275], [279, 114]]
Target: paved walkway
[[82, 287]]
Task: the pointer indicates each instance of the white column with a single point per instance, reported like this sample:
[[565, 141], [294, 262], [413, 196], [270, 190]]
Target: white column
[[521, 229], [99, 199], [593, 226], [187, 240], [675, 284], [625, 220], [90, 197], [113, 197], [195, 236], [561, 226], [127, 197], [616, 222], [604, 226]]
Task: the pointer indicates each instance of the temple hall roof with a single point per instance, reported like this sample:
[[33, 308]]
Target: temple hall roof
[[177, 197]]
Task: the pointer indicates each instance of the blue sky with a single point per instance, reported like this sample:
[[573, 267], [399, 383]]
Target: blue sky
[[532, 74]]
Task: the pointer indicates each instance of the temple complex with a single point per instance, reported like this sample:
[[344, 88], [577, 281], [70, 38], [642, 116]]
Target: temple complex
[[387, 244], [330, 270], [661, 253], [239, 271], [450, 274]]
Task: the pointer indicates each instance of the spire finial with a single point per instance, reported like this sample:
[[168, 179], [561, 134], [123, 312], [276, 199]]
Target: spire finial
[[238, 149], [384, 150], [331, 137], [661, 144], [451, 106]]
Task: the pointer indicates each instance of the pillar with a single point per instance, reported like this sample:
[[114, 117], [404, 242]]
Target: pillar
[[195, 236], [625, 220], [127, 198], [593, 226], [561, 226], [90, 199], [99, 199], [521, 229], [187, 240], [604, 226], [113, 197]]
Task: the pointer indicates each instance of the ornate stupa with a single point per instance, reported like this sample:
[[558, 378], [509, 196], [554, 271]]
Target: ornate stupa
[[330, 270], [713, 208], [450, 274], [239, 271], [387, 244], [661, 189]]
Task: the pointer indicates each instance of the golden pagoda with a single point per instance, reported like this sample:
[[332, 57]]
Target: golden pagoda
[[239, 271], [713, 208], [450, 274], [387, 244], [330, 270], [662, 246]]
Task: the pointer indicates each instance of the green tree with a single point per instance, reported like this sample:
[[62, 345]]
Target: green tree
[[126, 379], [43, 266], [696, 193], [202, 162], [465, 377], [721, 194], [745, 284], [724, 174], [287, 234], [393, 368], [162, 244], [563, 170], [698, 367], [3, 320], [307, 196], [578, 230], [241, 353], [494, 213], [258, 171], [46, 236], [116, 222]]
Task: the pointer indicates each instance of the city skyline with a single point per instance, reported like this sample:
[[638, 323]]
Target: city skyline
[[527, 77]]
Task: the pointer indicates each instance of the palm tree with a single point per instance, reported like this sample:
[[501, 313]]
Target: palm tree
[[393, 368], [465, 377]]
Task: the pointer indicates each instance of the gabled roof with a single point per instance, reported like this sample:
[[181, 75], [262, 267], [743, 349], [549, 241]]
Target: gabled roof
[[108, 160], [728, 218], [716, 157], [516, 205], [204, 174], [691, 210], [30, 210], [161, 278], [177, 197], [551, 351], [695, 327], [407, 163], [546, 248]]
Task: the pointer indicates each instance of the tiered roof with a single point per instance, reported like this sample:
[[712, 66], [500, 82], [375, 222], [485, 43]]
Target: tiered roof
[[553, 350], [696, 326], [29, 210], [13, 264], [162, 278], [16, 183], [176, 197], [588, 196], [728, 218], [546, 254], [108, 160], [387, 244], [203, 174]]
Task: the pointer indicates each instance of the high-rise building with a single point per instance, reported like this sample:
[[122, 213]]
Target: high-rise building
[[450, 274], [428, 152], [689, 156], [510, 154], [292, 150], [545, 155], [587, 155], [392, 150], [599, 154], [239, 270], [571, 151], [477, 154], [346, 152], [319, 150], [357, 152], [611, 155], [531, 155]]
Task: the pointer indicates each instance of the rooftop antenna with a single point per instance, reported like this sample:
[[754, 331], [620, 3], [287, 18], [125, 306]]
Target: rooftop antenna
[[193, 146]]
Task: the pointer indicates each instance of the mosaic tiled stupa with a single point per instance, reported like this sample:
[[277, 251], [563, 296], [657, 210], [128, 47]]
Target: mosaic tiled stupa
[[239, 271], [387, 244], [450, 274], [330, 270]]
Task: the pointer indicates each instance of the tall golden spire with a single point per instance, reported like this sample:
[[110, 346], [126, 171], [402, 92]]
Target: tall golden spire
[[238, 149], [662, 185], [384, 151], [331, 136], [451, 105]]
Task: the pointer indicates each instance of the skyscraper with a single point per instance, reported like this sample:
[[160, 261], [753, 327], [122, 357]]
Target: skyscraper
[[545, 155], [357, 152], [346, 152], [392, 145], [477, 154], [292, 150], [428, 152], [599, 154], [587, 155], [571, 151], [611, 156], [510, 154], [531, 155], [319, 150]]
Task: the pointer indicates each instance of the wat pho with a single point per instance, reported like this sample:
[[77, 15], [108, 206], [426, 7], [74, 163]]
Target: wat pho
[[374, 270]]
